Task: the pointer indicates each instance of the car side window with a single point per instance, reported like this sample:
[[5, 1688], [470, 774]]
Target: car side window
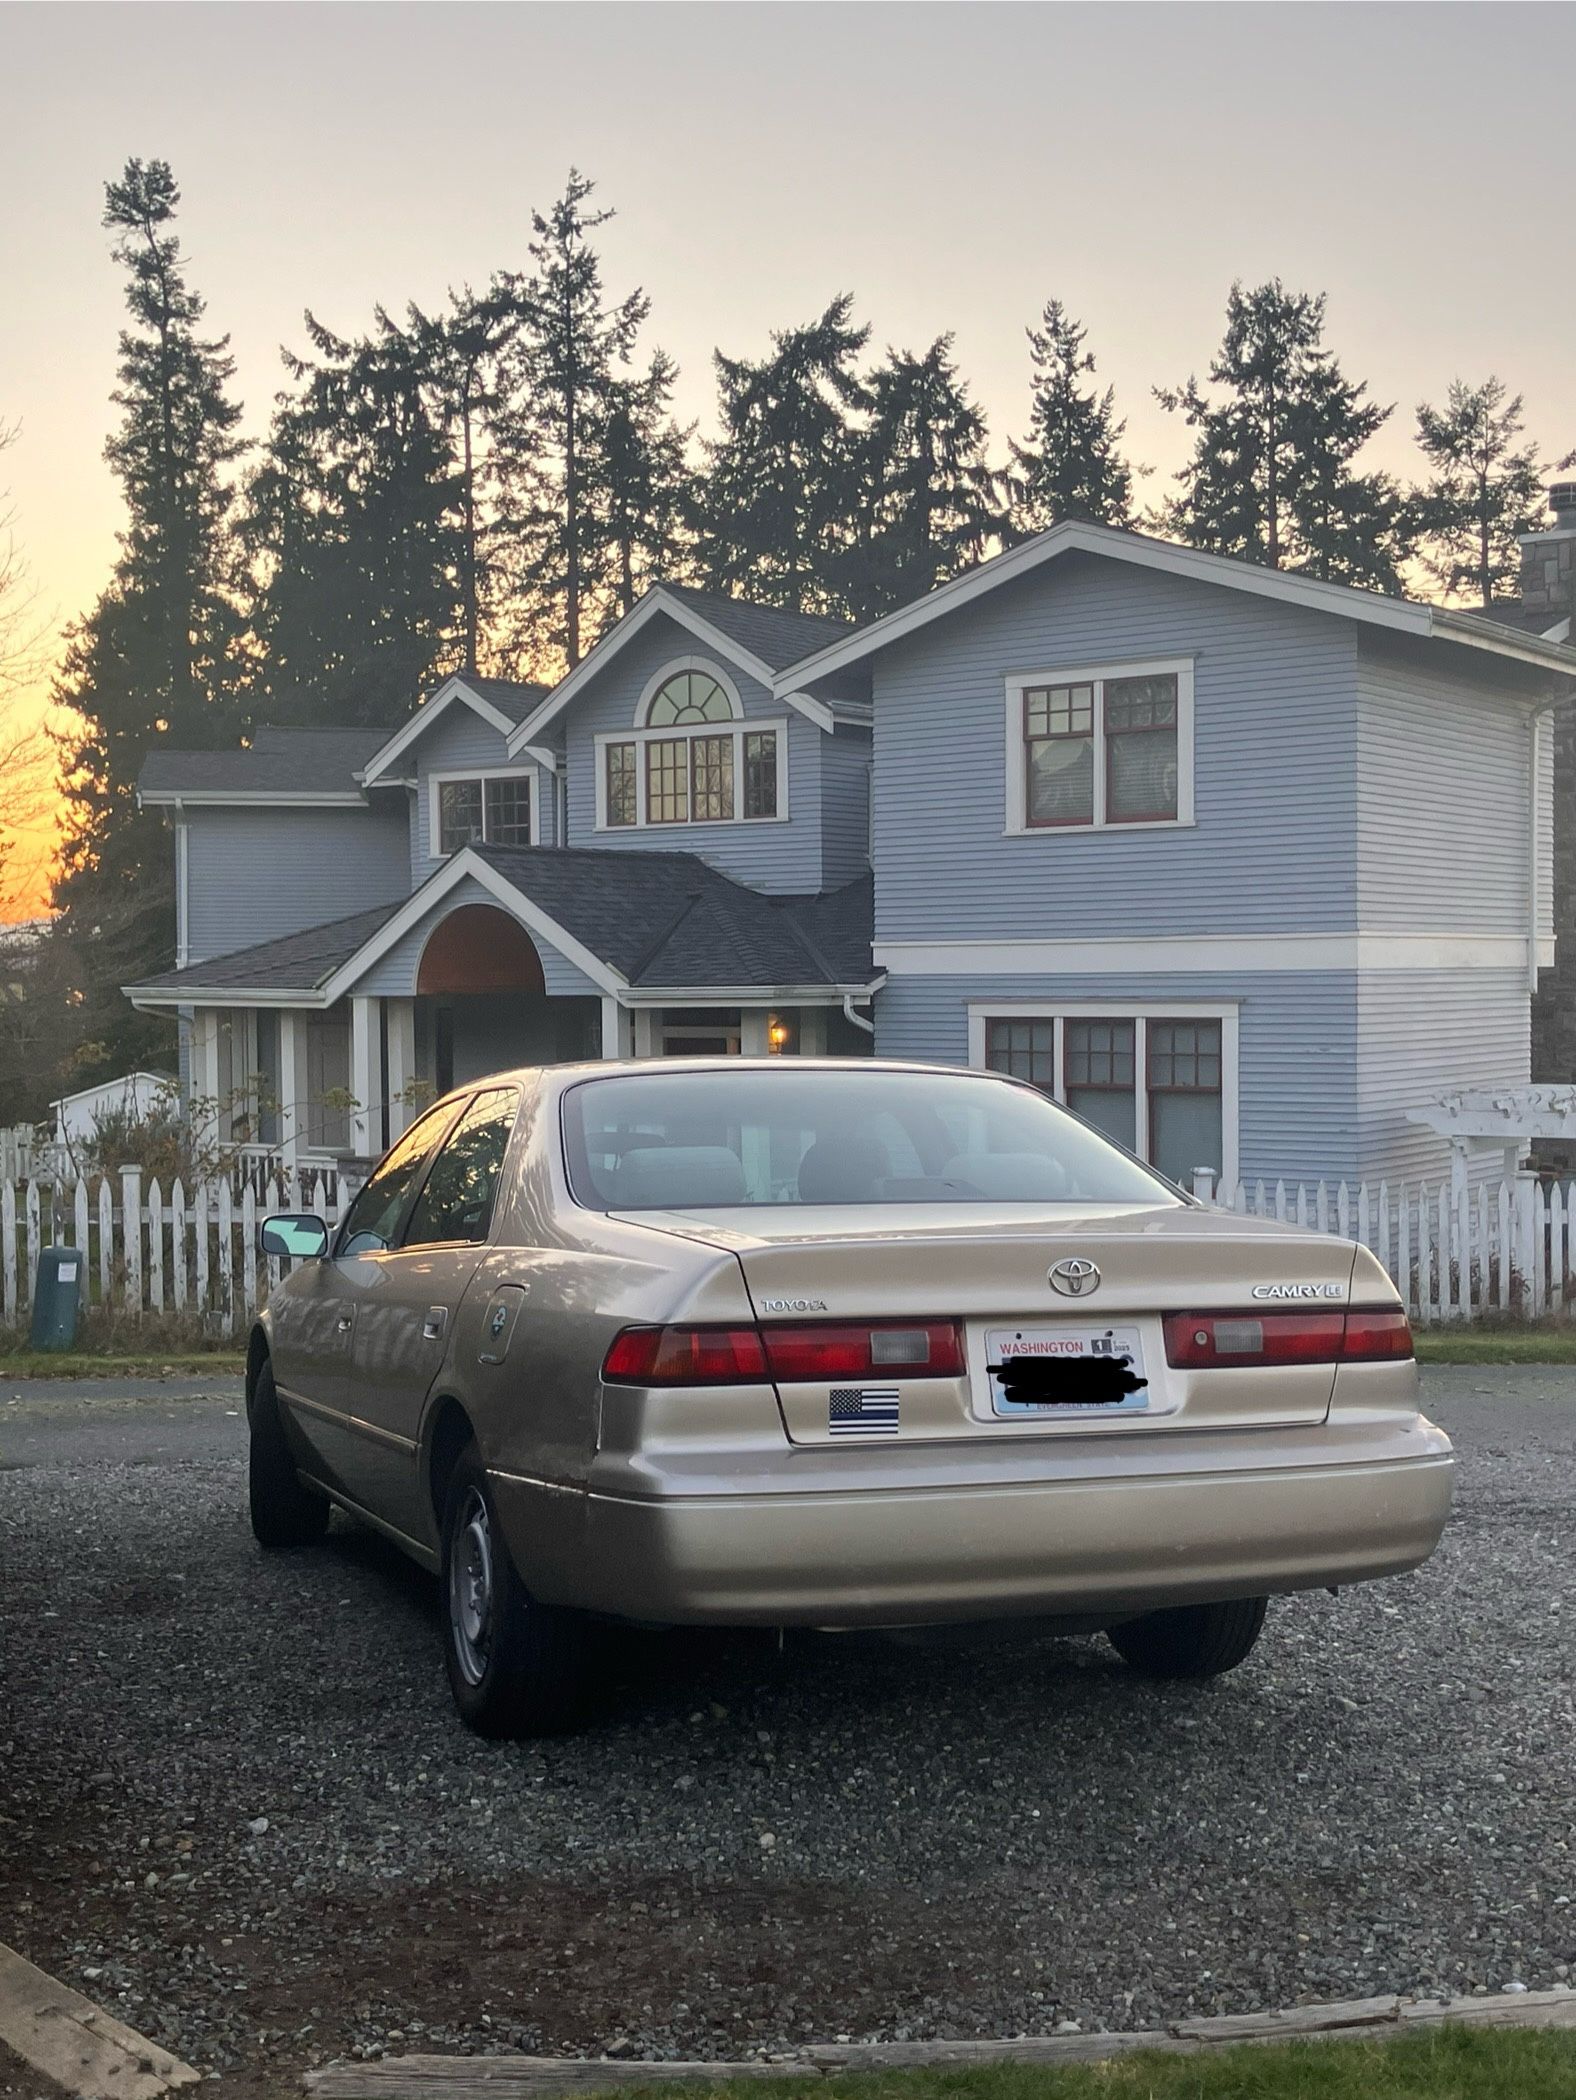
[[457, 1200], [373, 1218]]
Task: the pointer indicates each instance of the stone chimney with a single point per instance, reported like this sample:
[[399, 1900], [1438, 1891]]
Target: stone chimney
[[1548, 558]]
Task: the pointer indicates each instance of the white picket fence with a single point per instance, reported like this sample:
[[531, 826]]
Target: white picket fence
[[181, 1252], [1453, 1253]]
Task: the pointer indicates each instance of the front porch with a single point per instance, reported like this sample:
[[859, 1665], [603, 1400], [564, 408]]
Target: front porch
[[330, 1044]]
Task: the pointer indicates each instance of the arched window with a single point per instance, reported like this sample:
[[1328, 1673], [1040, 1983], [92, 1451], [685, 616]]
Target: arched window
[[689, 696]]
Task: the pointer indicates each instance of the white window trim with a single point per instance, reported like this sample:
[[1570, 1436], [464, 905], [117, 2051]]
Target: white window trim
[[482, 773], [676, 668], [1140, 1012], [738, 730], [1019, 682]]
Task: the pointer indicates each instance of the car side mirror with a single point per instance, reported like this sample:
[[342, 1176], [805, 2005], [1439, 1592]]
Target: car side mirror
[[298, 1237]]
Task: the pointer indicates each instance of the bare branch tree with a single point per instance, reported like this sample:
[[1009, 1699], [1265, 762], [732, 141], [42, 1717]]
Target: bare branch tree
[[26, 783]]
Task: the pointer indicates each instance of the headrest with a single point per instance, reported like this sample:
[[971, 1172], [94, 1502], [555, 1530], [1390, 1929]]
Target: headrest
[[678, 1177]]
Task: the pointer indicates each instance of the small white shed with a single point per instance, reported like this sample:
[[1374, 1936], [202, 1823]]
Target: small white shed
[[135, 1094]]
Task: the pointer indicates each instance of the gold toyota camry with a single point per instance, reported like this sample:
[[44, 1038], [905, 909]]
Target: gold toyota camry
[[801, 1342]]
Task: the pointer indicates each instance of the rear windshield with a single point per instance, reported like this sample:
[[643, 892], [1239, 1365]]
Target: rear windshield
[[668, 1140]]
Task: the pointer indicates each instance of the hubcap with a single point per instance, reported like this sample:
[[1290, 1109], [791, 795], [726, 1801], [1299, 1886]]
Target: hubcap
[[471, 1589]]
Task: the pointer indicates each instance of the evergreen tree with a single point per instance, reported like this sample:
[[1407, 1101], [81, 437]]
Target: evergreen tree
[[1272, 478], [566, 355], [645, 480], [154, 659], [928, 502], [353, 524], [1070, 465], [779, 508], [463, 355], [1485, 491]]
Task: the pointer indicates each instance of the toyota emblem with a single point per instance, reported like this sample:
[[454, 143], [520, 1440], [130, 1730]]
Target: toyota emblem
[[1074, 1278]]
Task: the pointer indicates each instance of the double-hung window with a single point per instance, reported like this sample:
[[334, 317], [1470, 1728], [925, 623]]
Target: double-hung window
[[1093, 749], [480, 809], [691, 758], [1159, 1080]]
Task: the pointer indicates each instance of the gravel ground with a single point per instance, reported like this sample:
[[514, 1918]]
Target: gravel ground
[[235, 1806]]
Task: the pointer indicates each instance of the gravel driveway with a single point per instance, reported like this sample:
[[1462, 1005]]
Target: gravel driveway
[[235, 1805]]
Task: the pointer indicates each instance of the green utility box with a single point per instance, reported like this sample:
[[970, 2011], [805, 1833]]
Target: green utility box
[[57, 1297]]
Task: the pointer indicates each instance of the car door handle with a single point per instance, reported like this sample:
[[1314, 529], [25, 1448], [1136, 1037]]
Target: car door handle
[[437, 1319]]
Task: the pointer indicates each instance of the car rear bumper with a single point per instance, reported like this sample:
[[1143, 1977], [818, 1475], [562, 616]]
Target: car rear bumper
[[1123, 1533]]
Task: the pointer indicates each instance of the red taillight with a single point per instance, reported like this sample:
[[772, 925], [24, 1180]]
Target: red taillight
[[1227, 1341], [819, 1351], [685, 1356], [1377, 1337], [815, 1352]]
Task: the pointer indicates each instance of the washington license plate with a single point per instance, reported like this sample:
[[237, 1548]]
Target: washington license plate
[[1064, 1370]]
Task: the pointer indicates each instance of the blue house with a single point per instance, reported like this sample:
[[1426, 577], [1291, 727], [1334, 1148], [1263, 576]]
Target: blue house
[[1240, 865]]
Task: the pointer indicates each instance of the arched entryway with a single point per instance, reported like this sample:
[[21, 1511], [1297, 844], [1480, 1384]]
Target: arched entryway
[[482, 1003]]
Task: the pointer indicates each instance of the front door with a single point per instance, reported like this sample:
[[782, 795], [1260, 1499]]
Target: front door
[[412, 1298], [315, 1319]]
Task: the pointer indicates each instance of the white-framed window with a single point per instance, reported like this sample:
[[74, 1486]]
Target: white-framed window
[[493, 807], [690, 756], [1160, 1078], [1100, 747]]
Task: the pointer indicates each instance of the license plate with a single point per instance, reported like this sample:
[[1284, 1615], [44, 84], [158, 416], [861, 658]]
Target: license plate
[[1065, 1370]]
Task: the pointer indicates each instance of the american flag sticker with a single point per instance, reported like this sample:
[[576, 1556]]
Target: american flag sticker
[[863, 1410]]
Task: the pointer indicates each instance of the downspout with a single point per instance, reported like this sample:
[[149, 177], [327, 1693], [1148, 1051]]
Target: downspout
[[1534, 840], [858, 1020]]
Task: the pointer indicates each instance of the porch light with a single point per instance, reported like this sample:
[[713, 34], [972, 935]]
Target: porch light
[[777, 1034]]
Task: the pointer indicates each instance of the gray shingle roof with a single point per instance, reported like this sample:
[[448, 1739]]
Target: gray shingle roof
[[778, 638], [279, 761], [660, 919], [506, 694], [299, 963], [668, 919], [1510, 612]]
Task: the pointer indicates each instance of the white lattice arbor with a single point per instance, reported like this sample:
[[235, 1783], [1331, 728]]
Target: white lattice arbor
[[1498, 1119]]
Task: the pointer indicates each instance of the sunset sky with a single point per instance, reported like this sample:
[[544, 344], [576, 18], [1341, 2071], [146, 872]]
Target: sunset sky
[[953, 166]]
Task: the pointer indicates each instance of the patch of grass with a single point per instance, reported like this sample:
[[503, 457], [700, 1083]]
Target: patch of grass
[[33, 1363], [1496, 1345], [1445, 2063]]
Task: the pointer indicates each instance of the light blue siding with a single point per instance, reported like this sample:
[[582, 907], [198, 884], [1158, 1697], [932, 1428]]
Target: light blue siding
[[1274, 844], [257, 874], [780, 856], [461, 741], [1297, 1047], [393, 975], [1423, 1033], [845, 806], [1443, 771]]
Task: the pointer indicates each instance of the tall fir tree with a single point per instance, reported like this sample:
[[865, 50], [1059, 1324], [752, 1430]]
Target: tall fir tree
[[463, 354], [154, 661], [778, 511], [352, 522], [928, 501], [1070, 465], [645, 481], [1273, 477], [1485, 489], [569, 349]]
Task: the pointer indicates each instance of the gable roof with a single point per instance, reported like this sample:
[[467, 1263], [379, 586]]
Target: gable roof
[[280, 765], [756, 639], [634, 920], [1402, 615], [503, 703]]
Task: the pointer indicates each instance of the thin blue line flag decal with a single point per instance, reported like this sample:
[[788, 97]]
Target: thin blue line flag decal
[[862, 1410]]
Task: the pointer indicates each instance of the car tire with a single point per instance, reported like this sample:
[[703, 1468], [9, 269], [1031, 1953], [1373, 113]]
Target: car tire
[[1194, 1640], [516, 1667], [284, 1512]]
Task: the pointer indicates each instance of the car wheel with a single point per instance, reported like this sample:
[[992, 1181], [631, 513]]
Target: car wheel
[[1195, 1640], [516, 1667], [284, 1512]]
